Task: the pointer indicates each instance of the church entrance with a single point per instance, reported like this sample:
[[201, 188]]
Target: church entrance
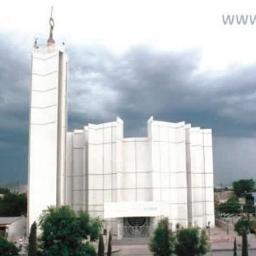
[[136, 227]]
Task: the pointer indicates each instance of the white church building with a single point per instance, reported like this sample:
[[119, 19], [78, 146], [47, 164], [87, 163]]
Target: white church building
[[128, 182]]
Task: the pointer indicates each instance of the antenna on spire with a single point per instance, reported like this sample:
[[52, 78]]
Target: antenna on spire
[[50, 40]]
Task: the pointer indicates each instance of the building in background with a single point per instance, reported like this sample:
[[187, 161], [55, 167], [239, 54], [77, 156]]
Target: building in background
[[129, 182], [13, 228]]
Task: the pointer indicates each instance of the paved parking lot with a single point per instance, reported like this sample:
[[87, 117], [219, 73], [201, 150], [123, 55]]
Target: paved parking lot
[[221, 244]]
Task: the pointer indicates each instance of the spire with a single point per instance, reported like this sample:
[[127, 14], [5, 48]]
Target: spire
[[50, 40]]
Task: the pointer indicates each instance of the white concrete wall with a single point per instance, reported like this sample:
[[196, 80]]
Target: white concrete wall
[[200, 173], [209, 178], [135, 179], [171, 167], [47, 130], [104, 164], [93, 162], [69, 168], [78, 175]]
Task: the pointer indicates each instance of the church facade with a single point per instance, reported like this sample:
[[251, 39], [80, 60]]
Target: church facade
[[128, 182]]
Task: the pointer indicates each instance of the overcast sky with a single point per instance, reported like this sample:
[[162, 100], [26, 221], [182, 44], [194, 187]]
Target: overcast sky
[[175, 60]]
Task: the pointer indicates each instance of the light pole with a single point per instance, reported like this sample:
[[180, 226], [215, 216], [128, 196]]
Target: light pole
[[227, 226]]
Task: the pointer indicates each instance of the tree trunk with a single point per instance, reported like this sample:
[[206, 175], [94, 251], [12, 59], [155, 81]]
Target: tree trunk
[[109, 252], [235, 248], [101, 249], [244, 245]]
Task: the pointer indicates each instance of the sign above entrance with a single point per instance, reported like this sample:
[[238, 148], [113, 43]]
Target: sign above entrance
[[135, 209]]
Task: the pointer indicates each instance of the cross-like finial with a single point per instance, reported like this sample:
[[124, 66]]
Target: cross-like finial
[[35, 44], [50, 40]]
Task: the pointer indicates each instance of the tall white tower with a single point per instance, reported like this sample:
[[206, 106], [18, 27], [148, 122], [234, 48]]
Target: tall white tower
[[47, 136]]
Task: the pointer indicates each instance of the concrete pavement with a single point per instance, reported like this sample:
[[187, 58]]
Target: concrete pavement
[[221, 244]]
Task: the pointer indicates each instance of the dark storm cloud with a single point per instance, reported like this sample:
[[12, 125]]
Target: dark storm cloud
[[234, 159], [168, 85], [135, 85], [14, 84]]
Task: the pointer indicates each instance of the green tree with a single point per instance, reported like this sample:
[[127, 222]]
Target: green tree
[[242, 187], [4, 190], [249, 203], [162, 242], [242, 227], [7, 248], [32, 241], [204, 245], [190, 242], [109, 252], [253, 225], [13, 204], [235, 248], [95, 228], [101, 248], [64, 232], [232, 206]]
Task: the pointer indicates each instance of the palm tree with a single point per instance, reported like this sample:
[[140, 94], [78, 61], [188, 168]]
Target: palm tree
[[242, 227]]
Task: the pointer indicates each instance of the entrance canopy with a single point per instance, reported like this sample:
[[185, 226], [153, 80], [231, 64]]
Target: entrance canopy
[[135, 209]]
